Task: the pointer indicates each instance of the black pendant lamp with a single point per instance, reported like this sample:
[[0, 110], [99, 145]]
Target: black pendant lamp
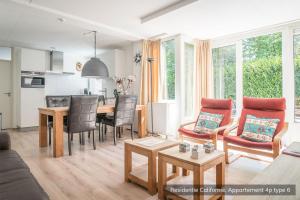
[[95, 68]]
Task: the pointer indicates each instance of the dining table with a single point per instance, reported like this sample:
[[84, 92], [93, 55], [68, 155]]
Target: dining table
[[58, 127]]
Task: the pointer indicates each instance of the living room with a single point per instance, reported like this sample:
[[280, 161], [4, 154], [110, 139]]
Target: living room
[[109, 100]]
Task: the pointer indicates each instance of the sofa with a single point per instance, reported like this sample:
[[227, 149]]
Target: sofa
[[16, 180]]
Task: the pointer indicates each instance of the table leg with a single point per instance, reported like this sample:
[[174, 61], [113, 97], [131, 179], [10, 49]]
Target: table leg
[[175, 170], [128, 162], [198, 182], [58, 133], [162, 177], [152, 173], [220, 176], [185, 172], [142, 122], [43, 130]]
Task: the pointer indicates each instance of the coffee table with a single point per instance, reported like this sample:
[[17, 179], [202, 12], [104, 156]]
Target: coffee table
[[198, 167], [147, 147]]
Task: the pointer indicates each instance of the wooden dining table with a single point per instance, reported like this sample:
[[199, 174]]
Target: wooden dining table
[[58, 127]]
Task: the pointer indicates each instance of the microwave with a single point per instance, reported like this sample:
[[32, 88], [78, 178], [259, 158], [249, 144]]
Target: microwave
[[32, 82]]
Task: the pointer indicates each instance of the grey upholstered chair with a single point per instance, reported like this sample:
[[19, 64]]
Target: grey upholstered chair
[[123, 114], [101, 116], [82, 117], [56, 101]]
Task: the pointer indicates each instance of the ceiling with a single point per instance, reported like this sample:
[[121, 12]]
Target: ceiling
[[34, 23]]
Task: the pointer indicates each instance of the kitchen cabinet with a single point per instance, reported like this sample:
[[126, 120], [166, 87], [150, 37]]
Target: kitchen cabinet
[[33, 60]]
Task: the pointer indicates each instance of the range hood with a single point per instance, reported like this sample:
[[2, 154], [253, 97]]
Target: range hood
[[57, 63]]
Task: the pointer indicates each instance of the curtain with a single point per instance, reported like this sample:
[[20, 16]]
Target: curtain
[[150, 49], [204, 82]]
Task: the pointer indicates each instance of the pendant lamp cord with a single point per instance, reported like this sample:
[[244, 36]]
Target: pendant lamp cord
[[95, 41]]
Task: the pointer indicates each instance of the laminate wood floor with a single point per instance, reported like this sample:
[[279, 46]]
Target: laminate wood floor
[[99, 174]]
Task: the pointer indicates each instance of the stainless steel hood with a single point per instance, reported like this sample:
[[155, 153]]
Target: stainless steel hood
[[57, 63]]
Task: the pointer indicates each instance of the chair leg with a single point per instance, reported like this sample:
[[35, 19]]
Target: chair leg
[[131, 131], [115, 135], [119, 132], [80, 139], [49, 136], [71, 136], [226, 152], [83, 139], [94, 140], [69, 143], [105, 127], [102, 132], [89, 135], [99, 133]]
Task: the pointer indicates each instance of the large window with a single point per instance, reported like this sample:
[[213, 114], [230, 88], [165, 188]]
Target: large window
[[168, 69], [262, 66], [297, 76], [189, 79], [224, 65]]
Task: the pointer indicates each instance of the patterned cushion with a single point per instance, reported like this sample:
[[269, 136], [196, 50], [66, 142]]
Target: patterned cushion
[[207, 122], [259, 129]]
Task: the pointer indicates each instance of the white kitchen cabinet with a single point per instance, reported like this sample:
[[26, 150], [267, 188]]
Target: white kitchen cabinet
[[33, 60], [31, 100], [115, 61]]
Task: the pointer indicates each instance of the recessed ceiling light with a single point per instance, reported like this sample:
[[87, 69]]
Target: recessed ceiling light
[[60, 19]]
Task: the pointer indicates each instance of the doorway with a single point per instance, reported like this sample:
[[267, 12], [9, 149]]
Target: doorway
[[5, 94]]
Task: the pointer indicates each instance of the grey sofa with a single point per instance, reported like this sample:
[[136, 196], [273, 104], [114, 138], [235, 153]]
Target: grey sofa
[[16, 180]]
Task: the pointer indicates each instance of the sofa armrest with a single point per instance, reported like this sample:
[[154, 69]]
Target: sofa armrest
[[230, 128], [4, 141], [185, 124], [278, 137], [222, 128]]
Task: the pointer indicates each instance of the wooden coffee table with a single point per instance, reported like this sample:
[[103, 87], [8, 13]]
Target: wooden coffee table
[[139, 146], [199, 166]]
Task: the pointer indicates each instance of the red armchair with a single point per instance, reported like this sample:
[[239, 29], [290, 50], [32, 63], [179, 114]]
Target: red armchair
[[215, 106], [262, 108]]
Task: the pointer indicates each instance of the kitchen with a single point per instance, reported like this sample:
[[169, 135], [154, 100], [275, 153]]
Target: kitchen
[[33, 74]]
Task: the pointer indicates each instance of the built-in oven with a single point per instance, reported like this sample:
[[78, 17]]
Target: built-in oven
[[32, 80]]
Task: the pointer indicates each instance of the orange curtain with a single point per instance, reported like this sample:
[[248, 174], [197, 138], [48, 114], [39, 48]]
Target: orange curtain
[[204, 83], [150, 49]]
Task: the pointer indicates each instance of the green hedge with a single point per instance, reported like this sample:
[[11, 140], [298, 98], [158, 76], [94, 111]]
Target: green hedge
[[263, 77]]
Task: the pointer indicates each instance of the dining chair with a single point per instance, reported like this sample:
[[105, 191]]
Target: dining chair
[[56, 101], [82, 117], [101, 116], [124, 112]]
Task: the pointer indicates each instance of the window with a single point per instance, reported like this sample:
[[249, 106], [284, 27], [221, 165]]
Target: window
[[224, 70], [168, 69], [262, 66], [297, 76], [189, 79]]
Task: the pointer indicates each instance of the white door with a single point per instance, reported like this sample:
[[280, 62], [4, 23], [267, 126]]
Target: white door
[[5, 93]]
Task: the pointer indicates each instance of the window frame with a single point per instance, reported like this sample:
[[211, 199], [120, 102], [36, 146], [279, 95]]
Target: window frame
[[160, 96], [186, 40], [287, 30]]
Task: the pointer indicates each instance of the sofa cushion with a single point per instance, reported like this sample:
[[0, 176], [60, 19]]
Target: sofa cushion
[[237, 140], [207, 122], [259, 129], [20, 184], [263, 108], [10, 160], [4, 141], [193, 134], [218, 106]]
